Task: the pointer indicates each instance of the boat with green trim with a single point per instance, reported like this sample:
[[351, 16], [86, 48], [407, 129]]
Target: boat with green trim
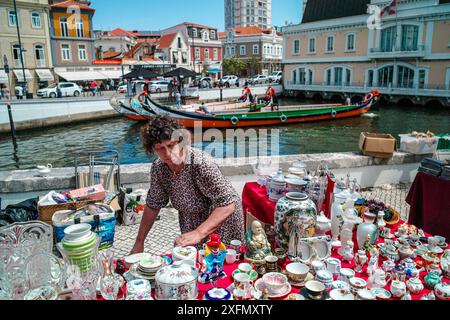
[[265, 116]]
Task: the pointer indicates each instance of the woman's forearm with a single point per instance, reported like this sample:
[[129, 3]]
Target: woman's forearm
[[216, 220], [148, 219]]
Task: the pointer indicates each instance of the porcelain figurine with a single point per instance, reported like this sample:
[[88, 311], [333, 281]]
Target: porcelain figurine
[[258, 247], [442, 291], [415, 286], [350, 220], [337, 219], [323, 225], [360, 260], [295, 219], [347, 252], [380, 222], [431, 280], [215, 254]]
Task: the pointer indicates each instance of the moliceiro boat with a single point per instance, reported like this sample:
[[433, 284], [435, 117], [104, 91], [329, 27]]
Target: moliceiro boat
[[233, 115], [265, 116]]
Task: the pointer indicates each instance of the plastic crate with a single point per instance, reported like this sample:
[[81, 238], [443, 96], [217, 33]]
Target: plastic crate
[[444, 142]]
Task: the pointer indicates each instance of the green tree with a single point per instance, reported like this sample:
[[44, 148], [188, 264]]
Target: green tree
[[253, 66], [233, 66]]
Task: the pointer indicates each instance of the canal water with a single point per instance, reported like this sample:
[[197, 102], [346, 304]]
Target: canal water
[[60, 145]]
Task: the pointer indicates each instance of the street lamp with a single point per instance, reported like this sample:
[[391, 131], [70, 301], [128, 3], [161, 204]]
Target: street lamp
[[24, 83]]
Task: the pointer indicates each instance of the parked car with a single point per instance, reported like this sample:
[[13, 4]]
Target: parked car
[[229, 81], [276, 77], [68, 89], [159, 86], [258, 79]]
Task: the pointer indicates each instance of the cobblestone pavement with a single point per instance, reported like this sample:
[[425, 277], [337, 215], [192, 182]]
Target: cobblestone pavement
[[167, 229]]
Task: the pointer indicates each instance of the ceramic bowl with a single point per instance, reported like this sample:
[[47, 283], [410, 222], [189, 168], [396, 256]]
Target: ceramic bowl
[[297, 272], [296, 185], [340, 285], [77, 232], [275, 282], [324, 276], [365, 294], [357, 284], [315, 289]]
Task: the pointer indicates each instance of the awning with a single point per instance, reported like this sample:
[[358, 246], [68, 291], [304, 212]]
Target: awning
[[112, 74], [3, 76], [81, 75], [19, 75], [45, 75]]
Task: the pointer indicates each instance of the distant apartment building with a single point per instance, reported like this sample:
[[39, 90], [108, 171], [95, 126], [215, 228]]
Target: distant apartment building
[[114, 43], [203, 43], [174, 49], [246, 13], [262, 49], [32, 19], [335, 51]]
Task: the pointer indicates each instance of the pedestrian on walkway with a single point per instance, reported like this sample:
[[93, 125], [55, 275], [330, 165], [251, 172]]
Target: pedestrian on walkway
[[178, 99], [19, 92], [94, 88], [190, 179]]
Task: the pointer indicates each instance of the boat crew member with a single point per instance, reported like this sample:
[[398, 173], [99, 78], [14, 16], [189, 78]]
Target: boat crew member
[[348, 101], [205, 110], [271, 98], [246, 95], [178, 99], [189, 178]]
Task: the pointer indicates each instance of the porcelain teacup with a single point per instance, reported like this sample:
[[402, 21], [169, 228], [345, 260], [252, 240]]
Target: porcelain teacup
[[346, 274], [333, 265], [315, 289], [242, 281], [275, 282], [271, 263], [297, 272], [245, 268], [236, 245], [440, 240], [231, 256], [318, 265]]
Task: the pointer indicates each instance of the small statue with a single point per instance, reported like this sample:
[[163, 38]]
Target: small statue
[[368, 244], [215, 254], [258, 247], [347, 252]]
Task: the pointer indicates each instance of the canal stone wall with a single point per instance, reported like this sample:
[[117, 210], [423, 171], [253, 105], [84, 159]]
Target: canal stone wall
[[368, 171]]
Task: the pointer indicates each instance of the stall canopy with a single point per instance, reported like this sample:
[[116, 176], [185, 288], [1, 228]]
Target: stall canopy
[[3, 76], [19, 75], [141, 73], [45, 75], [112, 74], [181, 72]]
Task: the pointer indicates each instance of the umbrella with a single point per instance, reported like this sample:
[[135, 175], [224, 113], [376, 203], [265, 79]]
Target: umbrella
[[180, 72], [141, 73]]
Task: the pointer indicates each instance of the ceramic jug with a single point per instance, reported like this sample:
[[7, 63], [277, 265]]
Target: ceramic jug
[[277, 187], [364, 230], [379, 279], [295, 219]]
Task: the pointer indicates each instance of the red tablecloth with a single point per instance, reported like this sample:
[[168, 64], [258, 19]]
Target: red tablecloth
[[256, 202], [429, 198]]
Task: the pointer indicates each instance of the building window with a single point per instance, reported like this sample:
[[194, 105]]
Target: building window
[[233, 51], [242, 51], [64, 27], [175, 57], [12, 18], [80, 29], [330, 44], [388, 39], [294, 76], [312, 45], [16, 56], [386, 76], [36, 20], [65, 52], [405, 77], [348, 76], [328, 77], [370, 78], [206, 54], [179, 43], [350, 42], [205, 36], [194, 32], [422, 78], [184, 57], [410, 38], [338, 71], [296, 46], [39, 55], [213, 34], [302, 76], [197, 53], [216, 54], [82, 54], [255, 49]]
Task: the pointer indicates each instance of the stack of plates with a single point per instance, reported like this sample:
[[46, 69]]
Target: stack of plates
[[80, 246], [148, 267]]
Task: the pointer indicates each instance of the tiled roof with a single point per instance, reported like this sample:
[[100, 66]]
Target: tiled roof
[[317, 10], [166, 40], [110, 54], [222, 35], [248, 31], [72, 3], [122, 32], [148, 40]]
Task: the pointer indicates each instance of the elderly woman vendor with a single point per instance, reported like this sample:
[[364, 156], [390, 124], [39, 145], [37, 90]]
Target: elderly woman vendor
[[206, 201]]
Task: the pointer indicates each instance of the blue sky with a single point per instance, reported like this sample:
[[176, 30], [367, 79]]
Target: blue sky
[[160, 14]]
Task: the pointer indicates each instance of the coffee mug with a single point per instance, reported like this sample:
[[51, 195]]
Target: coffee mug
[[318, 265], [242, 281], [333, 265], [346, 274], [231, 256], [236, 245], [271, 263]]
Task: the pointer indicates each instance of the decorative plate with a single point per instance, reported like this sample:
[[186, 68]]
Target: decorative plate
[[260, 286], [381, 293], [138, 274], [135, 258]]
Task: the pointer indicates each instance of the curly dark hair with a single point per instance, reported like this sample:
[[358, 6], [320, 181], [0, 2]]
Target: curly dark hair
[[160, 129]]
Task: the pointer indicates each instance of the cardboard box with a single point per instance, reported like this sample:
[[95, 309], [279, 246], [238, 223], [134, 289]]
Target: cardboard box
[[377, 145], [94, 193]]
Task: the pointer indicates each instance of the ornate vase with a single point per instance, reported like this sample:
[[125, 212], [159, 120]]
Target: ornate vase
[[295, 219], [364, 230]]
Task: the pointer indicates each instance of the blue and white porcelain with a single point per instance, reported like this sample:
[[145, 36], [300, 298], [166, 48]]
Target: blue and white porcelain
[[218, 294]]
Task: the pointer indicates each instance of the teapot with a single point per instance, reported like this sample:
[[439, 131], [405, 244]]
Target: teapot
[[398, 289], [379, 279], [432, 279], [414, 285], [323, 225], [442, 291]]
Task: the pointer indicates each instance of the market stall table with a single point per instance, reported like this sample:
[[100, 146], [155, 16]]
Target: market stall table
[[429, 199]]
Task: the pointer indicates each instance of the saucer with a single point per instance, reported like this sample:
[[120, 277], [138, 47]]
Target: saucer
[[255, 293], [260, 286], [445, 245], [414, 244], [135, 258], [309, 277], [135, 272], [437, 250], [305, 294], [381, 293]]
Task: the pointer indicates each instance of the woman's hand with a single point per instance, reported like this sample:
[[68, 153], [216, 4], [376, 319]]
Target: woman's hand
[[137, 248], [189, 239]]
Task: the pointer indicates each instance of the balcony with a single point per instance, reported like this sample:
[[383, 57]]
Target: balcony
[[363, 88], [379, 53]]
